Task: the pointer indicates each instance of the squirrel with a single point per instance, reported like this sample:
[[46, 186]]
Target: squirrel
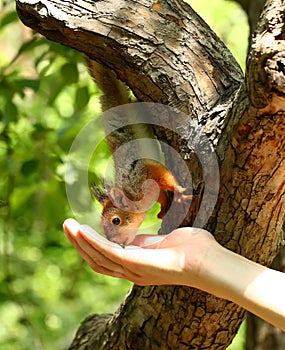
[[145, 181]]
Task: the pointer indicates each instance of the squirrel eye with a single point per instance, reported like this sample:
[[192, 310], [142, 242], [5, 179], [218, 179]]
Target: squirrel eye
[[116, 221]]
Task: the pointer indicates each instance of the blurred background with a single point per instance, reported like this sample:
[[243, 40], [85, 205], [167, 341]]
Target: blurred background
[[46, 96]]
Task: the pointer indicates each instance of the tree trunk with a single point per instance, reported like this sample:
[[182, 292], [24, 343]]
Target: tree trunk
[[261, 335], [168, 55]]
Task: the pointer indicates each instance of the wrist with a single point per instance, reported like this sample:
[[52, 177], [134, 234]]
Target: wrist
[[204, 264], [227, 275], [217, 271], [224, 273]]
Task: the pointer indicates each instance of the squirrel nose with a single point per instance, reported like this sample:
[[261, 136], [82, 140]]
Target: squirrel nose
[[119, 241], [123, 242]]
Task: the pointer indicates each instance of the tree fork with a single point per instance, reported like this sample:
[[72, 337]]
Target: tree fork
[[167, 54]]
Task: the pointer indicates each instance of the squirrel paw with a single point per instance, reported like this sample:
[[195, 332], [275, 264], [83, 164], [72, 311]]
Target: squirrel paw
[[161, 214], [183, 198], [180, 197]]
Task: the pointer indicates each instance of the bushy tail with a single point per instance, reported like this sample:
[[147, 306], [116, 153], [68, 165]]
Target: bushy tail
[[115, 92]]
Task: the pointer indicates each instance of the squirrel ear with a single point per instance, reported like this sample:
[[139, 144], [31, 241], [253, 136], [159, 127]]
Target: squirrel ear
[[99, 193], [120, 200]]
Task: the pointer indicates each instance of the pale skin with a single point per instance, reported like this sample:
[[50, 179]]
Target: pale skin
[[187, 256]]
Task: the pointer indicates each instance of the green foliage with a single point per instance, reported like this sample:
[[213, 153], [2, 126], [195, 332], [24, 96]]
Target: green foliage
[[46, 96], [239, 341]]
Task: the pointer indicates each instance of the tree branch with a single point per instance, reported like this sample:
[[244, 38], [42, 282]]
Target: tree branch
[[162, 47]]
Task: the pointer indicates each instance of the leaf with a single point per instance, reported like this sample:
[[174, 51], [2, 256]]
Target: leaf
[[21, 84], [56, 89], [10, 17], [3, 203], [29, 167], [69, 72], [31, 44], [10, 112], [53, 205], [81, 98]]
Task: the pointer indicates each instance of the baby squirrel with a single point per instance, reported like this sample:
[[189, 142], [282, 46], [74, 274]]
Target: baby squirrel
[[125, 207]]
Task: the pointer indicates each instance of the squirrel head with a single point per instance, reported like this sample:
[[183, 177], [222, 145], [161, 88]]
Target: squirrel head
[[120, 216]]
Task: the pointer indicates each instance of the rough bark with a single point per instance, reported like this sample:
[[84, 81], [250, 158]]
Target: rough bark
[[260, 335], [167, 54]]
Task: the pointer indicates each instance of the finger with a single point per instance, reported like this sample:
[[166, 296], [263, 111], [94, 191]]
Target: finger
[[140, 265], [71, 232], [97, 267], [102, 260], [71, 226], [134, 257], [120, 266], [73, 229], [112, 251], [93, 258], [97, 261]]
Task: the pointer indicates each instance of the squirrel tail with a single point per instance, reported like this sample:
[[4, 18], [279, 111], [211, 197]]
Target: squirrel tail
[[115, 92]]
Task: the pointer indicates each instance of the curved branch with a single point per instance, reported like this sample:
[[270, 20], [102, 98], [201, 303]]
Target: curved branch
[[163, 51]]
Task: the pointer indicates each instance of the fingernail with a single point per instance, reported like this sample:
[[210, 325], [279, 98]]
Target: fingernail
[[72, 225]]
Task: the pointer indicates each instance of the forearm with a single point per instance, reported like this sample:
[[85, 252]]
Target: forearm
[[250, 285]]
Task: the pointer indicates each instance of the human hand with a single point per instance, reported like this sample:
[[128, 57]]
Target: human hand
[[186, 256], [176, 258]]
